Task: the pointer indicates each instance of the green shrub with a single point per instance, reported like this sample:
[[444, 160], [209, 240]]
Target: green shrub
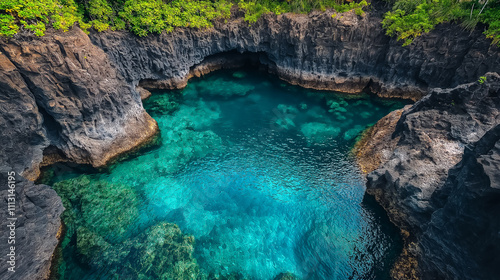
[[412, 18], [407, 20]]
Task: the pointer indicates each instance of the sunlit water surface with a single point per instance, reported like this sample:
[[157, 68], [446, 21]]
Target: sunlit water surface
[[258, 171]]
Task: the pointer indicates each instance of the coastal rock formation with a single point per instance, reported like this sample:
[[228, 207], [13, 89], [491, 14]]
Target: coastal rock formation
[[463, 236], [60, 100], [23, 137], [347, 53], [421, 194], [36, 228]]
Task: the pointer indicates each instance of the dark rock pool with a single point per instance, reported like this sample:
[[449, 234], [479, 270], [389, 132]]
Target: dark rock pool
[[252, 177]]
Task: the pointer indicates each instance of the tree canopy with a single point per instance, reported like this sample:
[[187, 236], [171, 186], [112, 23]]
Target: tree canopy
[[407, 20]]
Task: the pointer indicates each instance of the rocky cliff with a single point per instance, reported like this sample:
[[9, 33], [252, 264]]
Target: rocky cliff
[[31, 233], [74, 97], [61, 100], [347, 53], [445, 197]]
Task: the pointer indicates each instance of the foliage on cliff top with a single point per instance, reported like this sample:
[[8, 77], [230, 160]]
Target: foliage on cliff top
[[407, 20], [411, 18], [143, 17]]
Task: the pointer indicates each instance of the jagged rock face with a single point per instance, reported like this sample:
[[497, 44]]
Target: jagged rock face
[[347, 53], [89, 112], [465, 229], [450, 213], [58, 93], [37, 210], [23, 135]]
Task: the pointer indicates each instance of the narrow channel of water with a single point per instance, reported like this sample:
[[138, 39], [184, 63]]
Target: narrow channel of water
[[256, 174]]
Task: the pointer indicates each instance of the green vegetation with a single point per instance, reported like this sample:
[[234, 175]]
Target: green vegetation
[[143, 17], [411, 18], [407, 20], [482, 79]]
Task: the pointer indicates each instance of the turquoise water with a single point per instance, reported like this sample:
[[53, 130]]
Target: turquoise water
[[256, 170]]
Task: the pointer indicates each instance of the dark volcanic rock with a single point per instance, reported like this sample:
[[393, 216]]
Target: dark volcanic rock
[[462, 239], [348, 53], [68, 96], [433, 134], [37, 210], [23, 135], [90, 113], [450, 213]]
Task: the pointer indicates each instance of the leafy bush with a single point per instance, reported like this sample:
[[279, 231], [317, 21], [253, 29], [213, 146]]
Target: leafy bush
[[143, 17], [411, 18], [34, 15]]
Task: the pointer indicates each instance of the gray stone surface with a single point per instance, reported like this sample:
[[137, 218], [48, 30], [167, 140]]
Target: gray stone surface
[[37, 210], [452, 220], [462, 239], [72, 97]]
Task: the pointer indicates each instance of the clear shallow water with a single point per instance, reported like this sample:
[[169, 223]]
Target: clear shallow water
[[258, 171]]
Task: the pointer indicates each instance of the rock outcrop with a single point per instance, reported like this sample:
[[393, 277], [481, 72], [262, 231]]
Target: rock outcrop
[[462, 239], [421, 194], [34, 228], [60, 100]]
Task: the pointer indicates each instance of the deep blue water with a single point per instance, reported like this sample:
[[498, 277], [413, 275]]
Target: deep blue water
[[260, 173]]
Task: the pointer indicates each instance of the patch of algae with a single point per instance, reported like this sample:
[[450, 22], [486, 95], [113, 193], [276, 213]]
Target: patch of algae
[[100, 216], [163, 104], [286, 276]]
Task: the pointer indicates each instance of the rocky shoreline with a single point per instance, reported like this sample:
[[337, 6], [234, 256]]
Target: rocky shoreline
[[448, 134], [77, 97]]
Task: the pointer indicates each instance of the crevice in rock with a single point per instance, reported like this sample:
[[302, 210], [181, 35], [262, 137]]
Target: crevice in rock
[[52, 127]]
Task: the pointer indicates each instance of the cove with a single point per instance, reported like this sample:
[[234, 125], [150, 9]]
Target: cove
[[251, 178]]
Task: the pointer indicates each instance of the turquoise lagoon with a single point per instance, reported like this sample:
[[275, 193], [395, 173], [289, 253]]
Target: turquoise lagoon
[[252, 177]]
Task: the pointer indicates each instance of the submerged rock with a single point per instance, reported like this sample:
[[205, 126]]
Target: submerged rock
[[105, 208], [99, 216], [162, 104]]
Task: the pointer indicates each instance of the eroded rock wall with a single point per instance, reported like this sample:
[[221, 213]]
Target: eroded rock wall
[[462, 238], [60, 99], [347, 53], [446, 198], [66, 91]]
